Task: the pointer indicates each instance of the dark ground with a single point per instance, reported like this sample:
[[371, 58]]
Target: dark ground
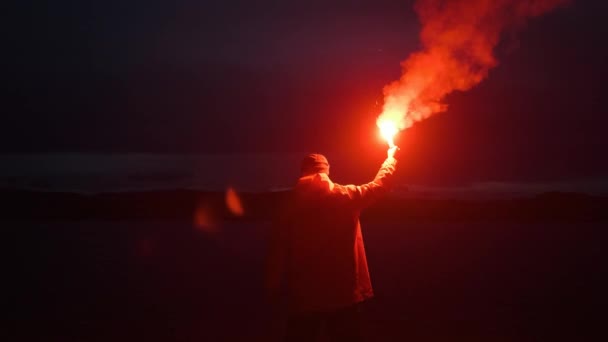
[[166, 280]]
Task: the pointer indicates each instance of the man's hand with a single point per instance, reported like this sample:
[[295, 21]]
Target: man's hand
[[393, 152]]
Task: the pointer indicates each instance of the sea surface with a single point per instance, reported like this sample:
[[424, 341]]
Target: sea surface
[[174, 281], [95, 173]]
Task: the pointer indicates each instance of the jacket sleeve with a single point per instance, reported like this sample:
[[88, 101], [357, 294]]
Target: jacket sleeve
[[364, 195]]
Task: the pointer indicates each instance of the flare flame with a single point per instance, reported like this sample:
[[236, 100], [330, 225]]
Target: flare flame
[[388, 130]]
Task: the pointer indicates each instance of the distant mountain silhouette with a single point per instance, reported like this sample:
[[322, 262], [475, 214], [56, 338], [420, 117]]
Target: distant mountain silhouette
[[182, 204]]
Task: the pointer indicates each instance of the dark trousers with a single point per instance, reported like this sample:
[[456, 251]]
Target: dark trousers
[[339, 325]]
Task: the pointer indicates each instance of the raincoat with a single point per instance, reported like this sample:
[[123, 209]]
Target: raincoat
[[316, 245]]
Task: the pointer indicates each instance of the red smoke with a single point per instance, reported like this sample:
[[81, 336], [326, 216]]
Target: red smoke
[[458, 39]]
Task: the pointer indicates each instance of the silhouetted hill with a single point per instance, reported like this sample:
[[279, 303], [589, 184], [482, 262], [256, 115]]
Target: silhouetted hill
[[182, 204]]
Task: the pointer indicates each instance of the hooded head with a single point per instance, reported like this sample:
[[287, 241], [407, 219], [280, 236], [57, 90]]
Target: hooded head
[[314, 163]]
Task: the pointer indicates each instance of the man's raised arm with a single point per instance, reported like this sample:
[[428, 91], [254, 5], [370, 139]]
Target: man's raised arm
[[365, 194]]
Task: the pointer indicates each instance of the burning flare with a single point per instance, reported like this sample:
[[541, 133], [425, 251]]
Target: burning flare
[[388, 129], [458, 40]]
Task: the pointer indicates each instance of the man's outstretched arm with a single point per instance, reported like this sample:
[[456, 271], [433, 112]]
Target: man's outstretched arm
[[365, 194]]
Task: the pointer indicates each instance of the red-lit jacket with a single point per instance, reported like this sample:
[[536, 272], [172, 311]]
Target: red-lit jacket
[[317, 247]]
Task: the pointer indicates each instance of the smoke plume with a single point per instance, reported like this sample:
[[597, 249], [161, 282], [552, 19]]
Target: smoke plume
[[458, 39]]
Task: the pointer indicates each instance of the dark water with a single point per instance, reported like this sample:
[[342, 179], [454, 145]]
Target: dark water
[[168, 281]]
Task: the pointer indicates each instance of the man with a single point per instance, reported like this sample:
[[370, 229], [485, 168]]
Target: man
[[316, 247]]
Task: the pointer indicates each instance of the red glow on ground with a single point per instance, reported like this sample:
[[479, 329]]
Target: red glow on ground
[[204, 219]]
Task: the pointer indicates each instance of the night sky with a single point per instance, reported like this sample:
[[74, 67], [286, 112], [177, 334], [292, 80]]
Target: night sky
[[249, 77]]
